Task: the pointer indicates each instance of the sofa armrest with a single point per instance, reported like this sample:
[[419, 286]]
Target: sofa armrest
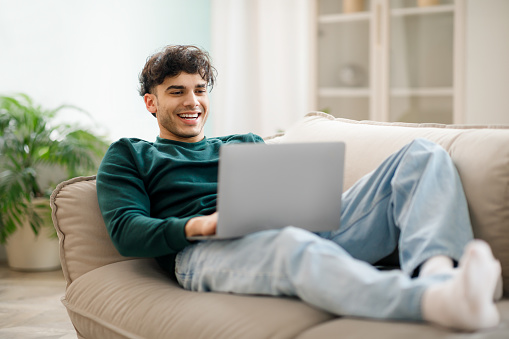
[[84, 241]]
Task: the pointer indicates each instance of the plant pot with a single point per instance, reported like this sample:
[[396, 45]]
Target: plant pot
[[29, 252]]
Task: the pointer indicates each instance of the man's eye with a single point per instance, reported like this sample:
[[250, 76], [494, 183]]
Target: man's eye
[[176, 93]]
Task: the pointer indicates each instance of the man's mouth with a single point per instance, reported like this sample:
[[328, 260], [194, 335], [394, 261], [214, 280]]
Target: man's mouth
[[189, 116]]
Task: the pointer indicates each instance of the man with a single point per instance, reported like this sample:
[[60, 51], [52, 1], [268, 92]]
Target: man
[[153, 195]]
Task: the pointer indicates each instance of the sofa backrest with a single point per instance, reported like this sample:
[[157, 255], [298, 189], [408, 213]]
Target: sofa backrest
[[84, 241], [480, 153]]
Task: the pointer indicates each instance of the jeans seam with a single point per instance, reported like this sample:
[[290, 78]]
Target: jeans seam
[[365, 214], [239, 272]]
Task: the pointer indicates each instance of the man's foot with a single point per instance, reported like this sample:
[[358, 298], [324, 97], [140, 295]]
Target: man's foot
[[466, 301], [442, 264]]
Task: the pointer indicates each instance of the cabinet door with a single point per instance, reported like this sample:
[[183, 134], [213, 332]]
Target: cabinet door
[[421, 61], [344, 58]]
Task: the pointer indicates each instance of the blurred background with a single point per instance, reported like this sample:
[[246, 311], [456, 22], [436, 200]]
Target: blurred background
[[361, 59], [438, 61], [89, 54]]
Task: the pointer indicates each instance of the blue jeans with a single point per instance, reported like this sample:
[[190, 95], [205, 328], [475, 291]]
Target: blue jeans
[[413, 201]]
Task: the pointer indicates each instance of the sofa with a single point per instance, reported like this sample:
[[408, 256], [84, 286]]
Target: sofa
[[110, 296]]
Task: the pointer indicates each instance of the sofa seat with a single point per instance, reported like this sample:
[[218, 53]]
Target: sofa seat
[[136, 299]]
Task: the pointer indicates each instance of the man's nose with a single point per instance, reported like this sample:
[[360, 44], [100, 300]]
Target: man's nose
[[191, 100]]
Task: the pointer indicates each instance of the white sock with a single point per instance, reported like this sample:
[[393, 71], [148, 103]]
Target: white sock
[[436, 265], [443, 264], [465, 302]]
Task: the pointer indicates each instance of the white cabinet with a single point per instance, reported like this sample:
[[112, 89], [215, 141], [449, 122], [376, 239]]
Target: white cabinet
[[486, 69], [393, 60]]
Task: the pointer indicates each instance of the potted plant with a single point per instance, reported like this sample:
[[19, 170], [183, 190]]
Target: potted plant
[[30, 140]]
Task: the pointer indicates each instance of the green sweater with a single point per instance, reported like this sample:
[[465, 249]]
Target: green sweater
[[147, 192]]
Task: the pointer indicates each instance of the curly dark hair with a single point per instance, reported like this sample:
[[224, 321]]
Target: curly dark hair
[[173, 60]]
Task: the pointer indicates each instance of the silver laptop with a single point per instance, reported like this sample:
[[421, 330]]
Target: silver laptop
[[268, 186]]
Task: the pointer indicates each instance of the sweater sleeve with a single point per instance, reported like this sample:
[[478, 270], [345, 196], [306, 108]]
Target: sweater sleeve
[[125, 206]]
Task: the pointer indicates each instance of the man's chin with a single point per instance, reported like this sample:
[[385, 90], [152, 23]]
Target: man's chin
[[191, 134], [187, 136]]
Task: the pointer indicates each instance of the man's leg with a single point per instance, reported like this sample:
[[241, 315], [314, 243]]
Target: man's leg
[[415, 201], [295, 262]]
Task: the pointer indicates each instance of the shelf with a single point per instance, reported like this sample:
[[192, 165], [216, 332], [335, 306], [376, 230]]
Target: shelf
[[364, 92], [422, 92], [336, 18], [366, 16], [422, 10], [361, 92]]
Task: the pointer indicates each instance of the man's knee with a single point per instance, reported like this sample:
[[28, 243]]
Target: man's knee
[[290, 239], [426, 147], [424, 144], [293, 233]]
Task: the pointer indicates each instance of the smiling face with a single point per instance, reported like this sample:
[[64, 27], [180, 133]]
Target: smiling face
[[181, 105]]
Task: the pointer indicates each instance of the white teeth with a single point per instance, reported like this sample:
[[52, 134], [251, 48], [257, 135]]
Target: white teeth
[[193, 116]]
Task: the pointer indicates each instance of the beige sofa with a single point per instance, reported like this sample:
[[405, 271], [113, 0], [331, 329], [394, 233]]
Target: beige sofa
[[110, 296]]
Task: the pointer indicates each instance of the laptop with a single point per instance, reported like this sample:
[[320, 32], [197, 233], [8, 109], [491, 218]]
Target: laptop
[[270, 186]]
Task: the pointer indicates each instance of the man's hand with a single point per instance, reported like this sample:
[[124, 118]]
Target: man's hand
[[205, 225]]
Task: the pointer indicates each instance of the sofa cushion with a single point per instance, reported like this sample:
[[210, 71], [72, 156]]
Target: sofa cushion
[[100, 305], [84, 241], [352, 328], [480, 153]]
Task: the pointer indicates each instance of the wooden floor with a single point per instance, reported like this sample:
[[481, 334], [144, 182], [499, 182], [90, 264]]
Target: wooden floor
[[30, 305]]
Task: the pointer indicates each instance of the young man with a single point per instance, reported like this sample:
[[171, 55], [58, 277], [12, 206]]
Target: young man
[[154, 194]]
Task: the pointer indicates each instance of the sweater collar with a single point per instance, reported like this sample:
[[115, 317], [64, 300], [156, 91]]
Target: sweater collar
[[190, 145]]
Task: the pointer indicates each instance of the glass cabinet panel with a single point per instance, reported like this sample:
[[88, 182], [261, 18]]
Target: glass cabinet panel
[[388, 60], [421, 61], [344, 50]]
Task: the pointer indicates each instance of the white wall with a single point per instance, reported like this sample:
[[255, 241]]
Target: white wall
[[487, 62], [89, 54], [263, 56]]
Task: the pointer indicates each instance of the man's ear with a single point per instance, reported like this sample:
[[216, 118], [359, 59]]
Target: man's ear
[[150, 103]]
